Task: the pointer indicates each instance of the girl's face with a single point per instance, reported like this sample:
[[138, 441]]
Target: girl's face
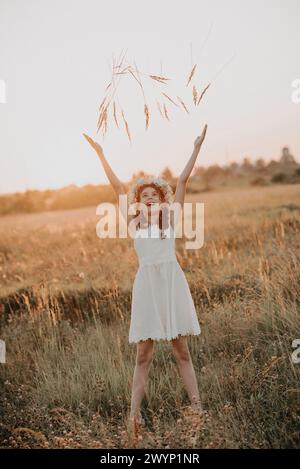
[[149, 195]]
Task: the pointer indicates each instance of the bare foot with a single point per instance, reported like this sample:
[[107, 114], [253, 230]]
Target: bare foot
[[197, 406], [138, 419]]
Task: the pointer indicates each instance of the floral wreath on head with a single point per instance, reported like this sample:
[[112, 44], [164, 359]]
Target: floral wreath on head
[[163, 185]]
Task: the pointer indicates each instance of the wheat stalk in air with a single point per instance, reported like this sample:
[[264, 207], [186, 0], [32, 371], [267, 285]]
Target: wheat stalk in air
[[127, 127], [195, 94], [203, 93], [166, 112], [146, 111], [119, 70], [191, 74], [159, 108], [169, 99], [115, 114], [160, 79], [183, 105]]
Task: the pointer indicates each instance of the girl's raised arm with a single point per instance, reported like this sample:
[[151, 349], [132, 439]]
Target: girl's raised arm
[[113, 179], [117, 185], [183, 178]]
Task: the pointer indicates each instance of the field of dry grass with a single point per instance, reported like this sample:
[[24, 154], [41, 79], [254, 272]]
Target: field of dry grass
[[65, 312]]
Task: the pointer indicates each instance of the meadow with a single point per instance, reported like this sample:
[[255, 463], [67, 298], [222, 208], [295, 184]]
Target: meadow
[[65, 298]]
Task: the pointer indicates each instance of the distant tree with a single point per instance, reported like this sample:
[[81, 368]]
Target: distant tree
[[212, 172], [259, 181], [272, 164], [286, 158], [260, 163], [279, 177], [198, 172], [233, 167], [246, 165]]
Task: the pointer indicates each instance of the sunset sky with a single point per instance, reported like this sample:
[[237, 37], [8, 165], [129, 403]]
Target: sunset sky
[[55, 59]]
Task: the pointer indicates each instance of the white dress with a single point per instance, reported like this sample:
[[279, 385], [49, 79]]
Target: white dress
[[162, 305]]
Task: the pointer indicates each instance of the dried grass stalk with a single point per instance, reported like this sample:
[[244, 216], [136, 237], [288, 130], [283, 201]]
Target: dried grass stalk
[[123, 72], [147, 114], [166, 112], [169, 99], [105, 123], [183, 105], [115, 114], [157, 78], [191, 74], [102, 104], [131, 72], [159, 108], [127, 126], [203, 93], [123, 68], [102, 118], [195, 94]]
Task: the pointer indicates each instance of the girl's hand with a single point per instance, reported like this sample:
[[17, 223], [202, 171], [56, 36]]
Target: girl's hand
[[94, 144], [199, 140]]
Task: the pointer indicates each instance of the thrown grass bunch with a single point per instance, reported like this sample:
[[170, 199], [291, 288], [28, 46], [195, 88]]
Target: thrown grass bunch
[[121, 68]]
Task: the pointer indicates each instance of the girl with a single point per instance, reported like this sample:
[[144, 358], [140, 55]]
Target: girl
[[162, 305]]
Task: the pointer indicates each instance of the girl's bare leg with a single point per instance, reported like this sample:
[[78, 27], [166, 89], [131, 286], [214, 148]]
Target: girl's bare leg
[[186, 369], [143, 361]]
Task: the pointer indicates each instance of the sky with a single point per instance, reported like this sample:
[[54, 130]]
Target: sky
[[56, 59]]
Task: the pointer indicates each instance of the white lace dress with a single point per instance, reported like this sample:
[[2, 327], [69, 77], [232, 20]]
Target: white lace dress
[[162, 305]]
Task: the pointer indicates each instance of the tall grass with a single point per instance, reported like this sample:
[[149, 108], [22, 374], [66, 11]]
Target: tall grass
[[67, 380]]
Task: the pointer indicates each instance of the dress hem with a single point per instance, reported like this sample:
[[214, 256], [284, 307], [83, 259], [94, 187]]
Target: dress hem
[[158, 338]]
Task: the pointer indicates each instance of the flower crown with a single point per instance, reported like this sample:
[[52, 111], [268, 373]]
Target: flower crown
[[157, 181]]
